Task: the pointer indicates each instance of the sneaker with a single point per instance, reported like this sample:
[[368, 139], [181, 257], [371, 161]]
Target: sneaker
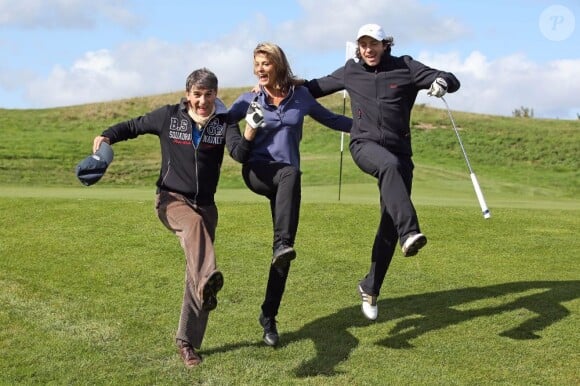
[[213, 285], [369, 304], [189, 356], [283, 255], [271, 337], [413, 243]]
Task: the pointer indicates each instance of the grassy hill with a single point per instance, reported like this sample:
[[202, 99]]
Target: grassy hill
[[523, 156]]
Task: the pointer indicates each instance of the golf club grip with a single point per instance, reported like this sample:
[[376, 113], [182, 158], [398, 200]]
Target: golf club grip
[[484, 209]]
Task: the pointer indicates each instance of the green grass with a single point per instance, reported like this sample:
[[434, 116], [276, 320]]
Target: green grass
[[92, 288], [92, 282]]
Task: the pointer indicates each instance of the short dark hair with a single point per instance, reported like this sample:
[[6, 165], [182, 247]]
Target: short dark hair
[[202, 78]]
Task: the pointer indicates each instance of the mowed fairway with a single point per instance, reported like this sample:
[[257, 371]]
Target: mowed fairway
[[92, 284]]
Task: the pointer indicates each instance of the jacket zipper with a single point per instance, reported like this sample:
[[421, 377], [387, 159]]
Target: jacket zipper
[[194, 127], [195, 155], [380, 113]]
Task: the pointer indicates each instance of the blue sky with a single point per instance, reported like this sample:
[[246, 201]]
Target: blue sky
[[507, 54]]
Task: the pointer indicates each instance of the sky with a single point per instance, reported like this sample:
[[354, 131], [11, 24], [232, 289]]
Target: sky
[[507, 54]]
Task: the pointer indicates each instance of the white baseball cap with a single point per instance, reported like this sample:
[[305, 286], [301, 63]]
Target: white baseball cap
[[375, 31]]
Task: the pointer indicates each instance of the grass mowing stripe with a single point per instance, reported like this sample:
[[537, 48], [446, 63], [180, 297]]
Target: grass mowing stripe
[[424, 194]]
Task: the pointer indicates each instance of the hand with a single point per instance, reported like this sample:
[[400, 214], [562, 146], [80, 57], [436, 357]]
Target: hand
[[97, 142], [438, 88], [255, 116]]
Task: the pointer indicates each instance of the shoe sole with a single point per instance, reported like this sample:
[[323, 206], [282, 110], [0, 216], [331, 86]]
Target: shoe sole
[[414, 248], [213, 285], [284, 258]]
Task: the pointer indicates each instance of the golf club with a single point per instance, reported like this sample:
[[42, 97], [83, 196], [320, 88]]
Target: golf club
[[341, 147], [484, 209]]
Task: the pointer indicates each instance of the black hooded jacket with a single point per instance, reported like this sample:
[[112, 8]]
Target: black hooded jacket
[[190, 170], [382, 97]]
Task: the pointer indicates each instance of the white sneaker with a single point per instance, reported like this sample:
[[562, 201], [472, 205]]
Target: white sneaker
[[413, 244], [369, 304]]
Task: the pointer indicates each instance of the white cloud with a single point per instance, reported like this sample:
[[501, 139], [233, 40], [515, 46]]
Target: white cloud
[[475, 64], [137, 69], [94, 77], [503, 85], [325, 23]]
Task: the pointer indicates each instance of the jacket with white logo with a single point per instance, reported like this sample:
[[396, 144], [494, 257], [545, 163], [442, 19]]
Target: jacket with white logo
[[189, 169]]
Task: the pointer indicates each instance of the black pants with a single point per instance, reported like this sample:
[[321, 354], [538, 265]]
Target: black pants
[[394, 173], [281, 185]]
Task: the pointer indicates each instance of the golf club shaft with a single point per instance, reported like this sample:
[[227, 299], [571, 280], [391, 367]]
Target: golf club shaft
[[341, 147], [458, 137], [484, 209]]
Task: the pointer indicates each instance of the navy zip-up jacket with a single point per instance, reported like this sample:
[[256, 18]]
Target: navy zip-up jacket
[[190, 170], [279, 140], [382, 97]]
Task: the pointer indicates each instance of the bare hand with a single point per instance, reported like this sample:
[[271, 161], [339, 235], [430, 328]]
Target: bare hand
[[250, 133], [97, 142]]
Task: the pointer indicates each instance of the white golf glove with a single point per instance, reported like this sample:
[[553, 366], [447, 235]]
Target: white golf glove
[[438, 88], [255, 115]]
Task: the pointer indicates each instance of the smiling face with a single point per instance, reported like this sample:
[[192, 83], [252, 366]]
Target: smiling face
[[265, 70], [371, 50], [202, 100]]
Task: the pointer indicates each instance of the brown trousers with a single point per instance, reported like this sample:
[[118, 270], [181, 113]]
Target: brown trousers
[[195, 227]]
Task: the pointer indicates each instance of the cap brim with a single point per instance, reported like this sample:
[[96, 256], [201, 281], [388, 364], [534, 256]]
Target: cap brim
[[370, 35], [90, 170]]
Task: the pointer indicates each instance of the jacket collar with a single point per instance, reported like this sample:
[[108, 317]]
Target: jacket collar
[[263, 95], [384, 64]]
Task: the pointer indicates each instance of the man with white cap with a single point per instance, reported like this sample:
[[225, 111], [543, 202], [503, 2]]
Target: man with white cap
[[382, 90]]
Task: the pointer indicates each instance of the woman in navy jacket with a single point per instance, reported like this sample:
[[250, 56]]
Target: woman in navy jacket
[[273, 166]]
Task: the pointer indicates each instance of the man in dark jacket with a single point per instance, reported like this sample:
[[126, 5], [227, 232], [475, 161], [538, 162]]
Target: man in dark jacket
[[192, 135], [383, 89]]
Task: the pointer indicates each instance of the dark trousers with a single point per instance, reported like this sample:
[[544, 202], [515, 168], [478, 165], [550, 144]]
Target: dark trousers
[[281, 185], [394, 174]]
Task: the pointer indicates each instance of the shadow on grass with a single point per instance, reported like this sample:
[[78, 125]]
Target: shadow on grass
[[420, 314]]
